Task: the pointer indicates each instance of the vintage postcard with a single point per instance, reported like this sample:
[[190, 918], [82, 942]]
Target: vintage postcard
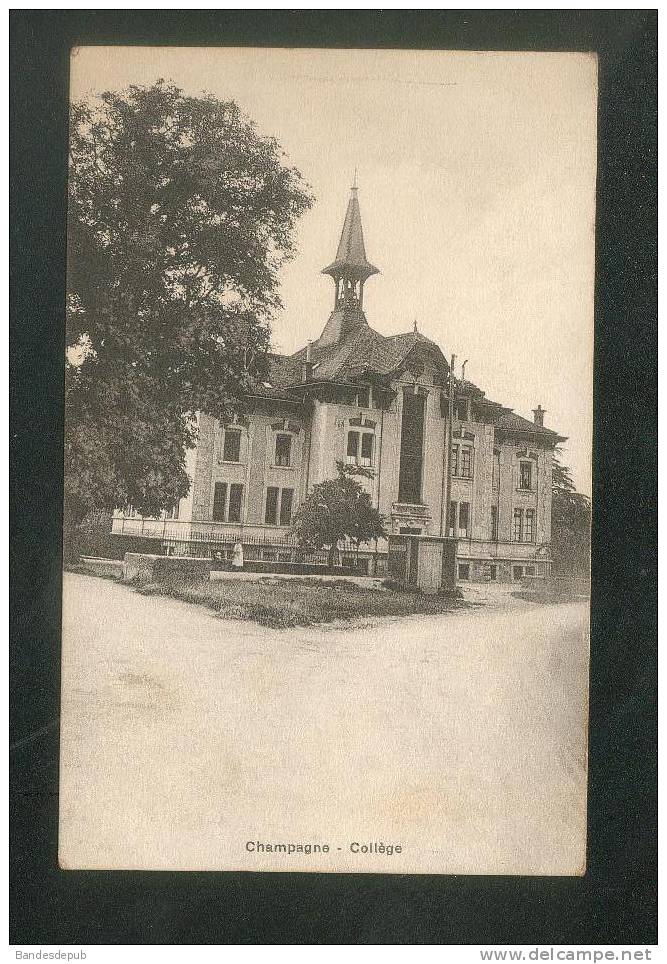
[[328, 460]]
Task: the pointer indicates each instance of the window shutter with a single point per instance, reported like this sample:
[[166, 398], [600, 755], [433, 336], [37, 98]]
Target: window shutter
[[367, 446], [235, 502], [286, 498], [219, 501], [271, 513]]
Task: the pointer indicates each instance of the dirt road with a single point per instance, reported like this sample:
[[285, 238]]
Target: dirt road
[[459, 737]]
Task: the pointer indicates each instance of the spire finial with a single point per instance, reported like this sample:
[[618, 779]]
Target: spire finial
[[414, 327], [354, 182]]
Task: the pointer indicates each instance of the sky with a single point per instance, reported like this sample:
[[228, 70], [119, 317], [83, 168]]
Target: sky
[[476, 175]]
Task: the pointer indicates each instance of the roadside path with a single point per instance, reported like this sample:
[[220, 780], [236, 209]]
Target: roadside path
[[462, 736]]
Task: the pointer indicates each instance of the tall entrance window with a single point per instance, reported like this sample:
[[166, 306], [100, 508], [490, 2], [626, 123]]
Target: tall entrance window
[[412, 444]]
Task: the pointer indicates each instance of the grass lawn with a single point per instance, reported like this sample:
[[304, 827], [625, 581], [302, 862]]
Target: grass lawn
[[290, 602]]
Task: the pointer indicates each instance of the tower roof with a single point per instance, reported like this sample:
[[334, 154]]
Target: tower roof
[[351, 257]]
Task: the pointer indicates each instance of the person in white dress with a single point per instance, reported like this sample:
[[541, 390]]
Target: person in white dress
[[237, 556]]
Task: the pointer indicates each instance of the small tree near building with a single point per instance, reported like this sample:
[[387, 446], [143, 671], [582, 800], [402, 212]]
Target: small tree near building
[[338, 509]]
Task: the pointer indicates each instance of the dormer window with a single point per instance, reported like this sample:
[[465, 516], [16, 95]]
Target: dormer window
[[363, 397], [357, 397]]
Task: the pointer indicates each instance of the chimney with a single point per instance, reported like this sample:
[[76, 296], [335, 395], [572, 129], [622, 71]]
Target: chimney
[[307, 367], [538, 416]]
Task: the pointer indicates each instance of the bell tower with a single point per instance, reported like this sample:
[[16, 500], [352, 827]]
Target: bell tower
[[350, 270]]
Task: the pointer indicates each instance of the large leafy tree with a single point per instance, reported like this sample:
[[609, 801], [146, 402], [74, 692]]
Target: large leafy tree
[[570, 522], [338, 509], [180, 216]]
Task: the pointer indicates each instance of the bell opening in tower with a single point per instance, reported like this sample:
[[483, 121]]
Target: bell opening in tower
[[412, 450]]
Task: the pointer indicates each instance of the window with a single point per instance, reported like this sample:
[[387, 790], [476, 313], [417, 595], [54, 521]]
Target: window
[[360, 447], [464, 519], [286, 497], [271, 511], [493, 573], [173, 512], [529, 530], [232, 447], [412, 445], [462, 461], [494, 523], [495, 470], [525, 475], [224, 509], [219, 501], [363, 398], [517, 573], [530, 571], [357, 397], [517, 530], [279, 503], [464, 570], [283, 449], [235, 501]]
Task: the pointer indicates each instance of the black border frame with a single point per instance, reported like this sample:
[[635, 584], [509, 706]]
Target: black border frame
[[615, 902]]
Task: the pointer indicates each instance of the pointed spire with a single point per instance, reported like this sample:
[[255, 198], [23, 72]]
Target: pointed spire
[[414, 327], [351, 261]]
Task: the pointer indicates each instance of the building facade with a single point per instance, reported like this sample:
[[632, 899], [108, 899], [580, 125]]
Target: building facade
[[446, 460]]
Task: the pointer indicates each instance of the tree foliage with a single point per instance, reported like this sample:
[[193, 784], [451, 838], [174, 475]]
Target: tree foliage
[[180, 216], [338, 509], [570, 522]]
